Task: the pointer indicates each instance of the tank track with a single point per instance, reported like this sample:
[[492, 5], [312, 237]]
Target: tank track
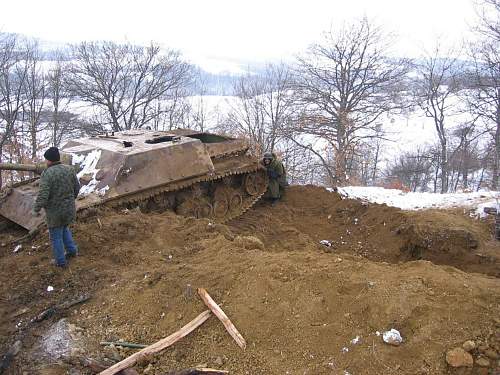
[[185, 198]]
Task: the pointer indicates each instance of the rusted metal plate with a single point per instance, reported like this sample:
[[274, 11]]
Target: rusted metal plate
[[17, 207]]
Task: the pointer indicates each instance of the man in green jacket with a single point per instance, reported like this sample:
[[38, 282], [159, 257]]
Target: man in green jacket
[[58, 189], [277, 176]]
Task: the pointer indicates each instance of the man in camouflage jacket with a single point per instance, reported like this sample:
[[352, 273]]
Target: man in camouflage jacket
[[58, 190], [277, 176]]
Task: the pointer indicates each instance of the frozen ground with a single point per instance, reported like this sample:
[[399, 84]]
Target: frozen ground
[[475, 201]]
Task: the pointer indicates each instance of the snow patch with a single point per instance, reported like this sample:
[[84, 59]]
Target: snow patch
[[88, 163], [420, 201], [355, 340]]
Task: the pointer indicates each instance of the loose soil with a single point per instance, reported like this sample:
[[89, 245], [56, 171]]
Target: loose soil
[[432, 275]]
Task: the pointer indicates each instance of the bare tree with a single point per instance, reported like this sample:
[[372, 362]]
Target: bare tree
[[127, 82], [262, 107], [13, 74], [437, 85], [484, 93], [35, 95], [200, 115], [345, 84], [61, 120], [413, 169], [489, 16], [246, 116], [278, 103]]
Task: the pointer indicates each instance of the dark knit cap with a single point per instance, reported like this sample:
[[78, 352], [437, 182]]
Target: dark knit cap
[[52, 154]]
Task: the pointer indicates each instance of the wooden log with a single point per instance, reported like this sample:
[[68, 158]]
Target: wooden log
[[158, 346], [198, 371], [231, 329]]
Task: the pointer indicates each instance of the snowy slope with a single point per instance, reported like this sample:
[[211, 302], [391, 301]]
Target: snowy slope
[[475, 201]]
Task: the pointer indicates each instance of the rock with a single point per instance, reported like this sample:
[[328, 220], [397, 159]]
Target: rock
[[392, 337], [148, 369], [219, 361], [492, 354], [469, 345], [16, 348], [483, 362], [129, 371], [113, 353], [482, 371], [59, 342], [483, 348], [459, 358]]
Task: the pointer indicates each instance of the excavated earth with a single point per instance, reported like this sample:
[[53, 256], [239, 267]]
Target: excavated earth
[[303, 307]]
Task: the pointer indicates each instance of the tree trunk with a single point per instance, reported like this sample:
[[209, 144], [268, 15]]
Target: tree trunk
[[444, 168], [496, 155], [1, 179], [375, 163], [436, 174]]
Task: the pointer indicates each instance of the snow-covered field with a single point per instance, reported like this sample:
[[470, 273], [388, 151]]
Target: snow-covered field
[[475, 201]]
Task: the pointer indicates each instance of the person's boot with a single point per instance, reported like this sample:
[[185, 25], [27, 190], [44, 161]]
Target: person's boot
[[71, 254], [59, 265]]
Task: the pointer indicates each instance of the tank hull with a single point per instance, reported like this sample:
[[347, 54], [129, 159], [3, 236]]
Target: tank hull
[[136, 167]]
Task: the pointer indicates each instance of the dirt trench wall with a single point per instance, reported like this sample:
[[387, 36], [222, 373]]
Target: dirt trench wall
[[309, 214]]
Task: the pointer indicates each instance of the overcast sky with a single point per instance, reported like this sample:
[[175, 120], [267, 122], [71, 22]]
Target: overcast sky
[[234, 30]]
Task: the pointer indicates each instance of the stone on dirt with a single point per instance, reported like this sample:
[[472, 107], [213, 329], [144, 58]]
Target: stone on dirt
[[16, 348], [458, 357], [469, 345], [392, 337], [483, 362], [492, 354], [59, 342], [219, 361]]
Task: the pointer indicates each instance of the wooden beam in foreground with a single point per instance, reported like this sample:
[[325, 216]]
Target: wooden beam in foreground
[[231, 329], [158, 346]]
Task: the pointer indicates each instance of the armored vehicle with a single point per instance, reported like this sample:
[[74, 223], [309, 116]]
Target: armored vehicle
[[194, 173]]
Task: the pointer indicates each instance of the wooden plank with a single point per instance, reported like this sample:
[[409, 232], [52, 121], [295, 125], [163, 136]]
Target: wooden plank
[[231, 329], [158, 346]]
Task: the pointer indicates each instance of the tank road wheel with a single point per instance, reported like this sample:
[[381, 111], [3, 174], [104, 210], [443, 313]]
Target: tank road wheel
[[254, 183], [235, 201], [221, 207], [187, 208], [203, 209]]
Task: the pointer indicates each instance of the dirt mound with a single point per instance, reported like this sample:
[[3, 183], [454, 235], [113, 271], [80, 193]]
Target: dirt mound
[[304, 308], [309, 214]]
